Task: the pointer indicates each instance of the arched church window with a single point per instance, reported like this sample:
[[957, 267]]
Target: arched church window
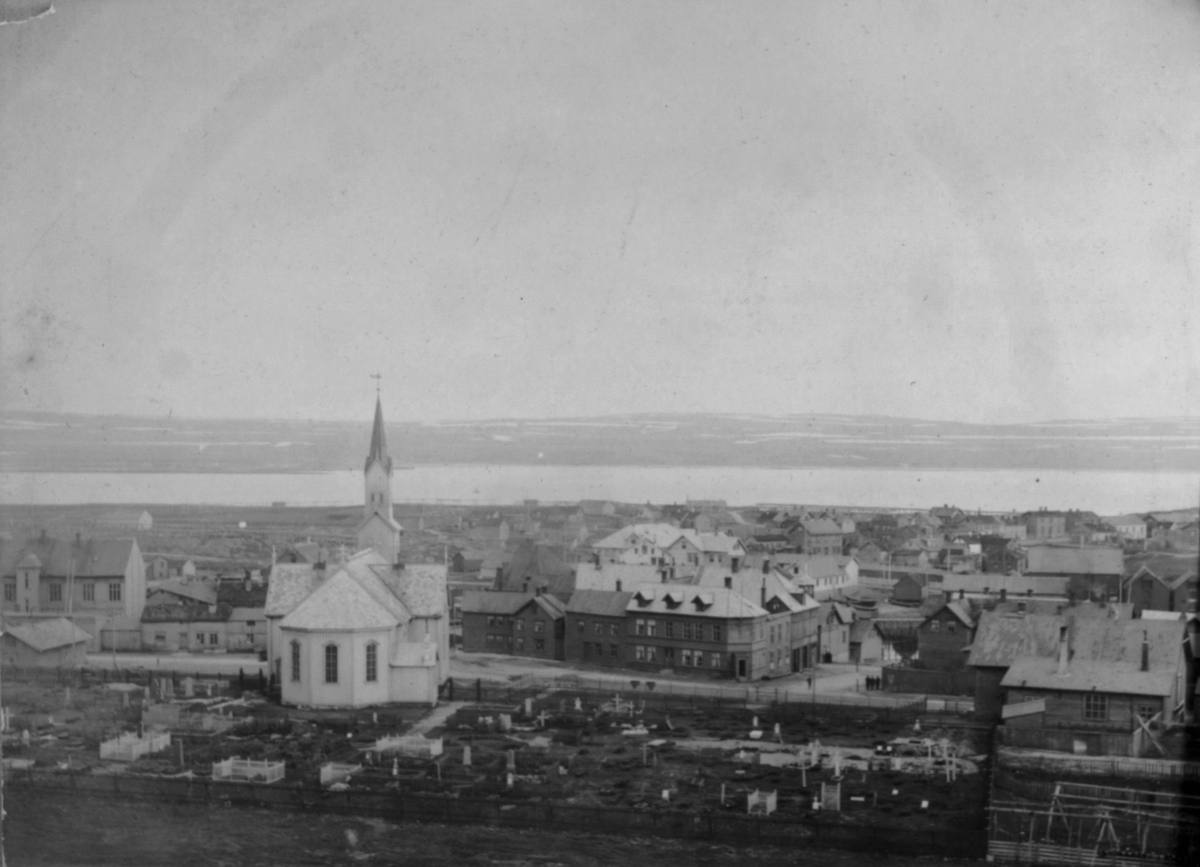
[[372, 662], [331, 663], [295, 660]]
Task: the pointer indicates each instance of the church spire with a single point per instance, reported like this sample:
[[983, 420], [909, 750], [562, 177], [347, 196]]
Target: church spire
[[378, 450]]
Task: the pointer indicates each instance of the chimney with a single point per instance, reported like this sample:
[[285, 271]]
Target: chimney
[[763, 595], [596, 561], [736, 563], [766, 565], [729, 582], [1003, 594], [618, 585], [1145, 650], [962, 593], [1062, 651], [525, 586]]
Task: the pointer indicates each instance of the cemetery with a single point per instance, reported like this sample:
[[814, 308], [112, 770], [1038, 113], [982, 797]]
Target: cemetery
[[613, 753]]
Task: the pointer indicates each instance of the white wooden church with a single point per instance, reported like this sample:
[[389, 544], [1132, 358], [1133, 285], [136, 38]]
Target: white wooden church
[[363, 629]]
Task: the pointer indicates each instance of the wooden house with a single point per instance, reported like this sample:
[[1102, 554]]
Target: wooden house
[[944, 635]]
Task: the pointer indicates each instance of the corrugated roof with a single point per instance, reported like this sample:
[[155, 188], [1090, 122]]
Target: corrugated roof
[[601, 603], [492, 602], [43, 635]]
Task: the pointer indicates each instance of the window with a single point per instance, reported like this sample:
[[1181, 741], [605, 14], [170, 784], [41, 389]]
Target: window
[[715, 660], [539, 645], [652, 654], [520, 625], [295, 660], [639, 652], [213, 638], [669, 655], [614, 651], [55, 592], [1095, 706], [114, 591], [950, 627], [687, 657], [521, 644], [614, 630], [640, 626], [160, 638], [1146, 711], [599, 649], [651, 627], [10, 591], [580, 625], [331, 663], [372, 662], [669, 628], [199, 637], [539, 626], [934, 626], [687, 630], [600, 628]]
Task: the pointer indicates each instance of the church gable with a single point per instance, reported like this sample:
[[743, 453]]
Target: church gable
[[343, 604]]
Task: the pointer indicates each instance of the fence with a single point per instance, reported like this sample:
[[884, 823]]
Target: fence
[[1102, 766], [724, 827], [248, 770], [130, 747]]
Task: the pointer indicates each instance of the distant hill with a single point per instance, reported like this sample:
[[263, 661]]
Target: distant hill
[[47, 442]]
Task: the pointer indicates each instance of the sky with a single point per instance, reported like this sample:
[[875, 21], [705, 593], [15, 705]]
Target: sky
[[959, 210]]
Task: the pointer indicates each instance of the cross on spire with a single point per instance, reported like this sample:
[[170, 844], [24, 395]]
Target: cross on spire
[[378, 377]]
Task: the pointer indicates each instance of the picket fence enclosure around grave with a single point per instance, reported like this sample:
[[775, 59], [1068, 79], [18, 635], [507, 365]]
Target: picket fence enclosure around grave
[[725, 827]]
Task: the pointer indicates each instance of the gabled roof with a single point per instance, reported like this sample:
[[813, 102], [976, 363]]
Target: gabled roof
[[719, 543], [958, 609], [90, 558], [289, 585], [1105, 655], [342, 602], [599, 603], [549, 605], [196, 591], [542, 567], [43, 635], [1001, 639], [420, 586], [660, 535], [492, 602], [588, 577], [752, 585], [844, 613]]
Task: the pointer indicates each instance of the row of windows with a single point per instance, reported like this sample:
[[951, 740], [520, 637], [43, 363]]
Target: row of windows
[[935, 626], [688, 630], [56, 591], [687, 657], [371, 670], [614, 629], [539, 626]]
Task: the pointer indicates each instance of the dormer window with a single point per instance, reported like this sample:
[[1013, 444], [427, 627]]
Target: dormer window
[[703, 601]]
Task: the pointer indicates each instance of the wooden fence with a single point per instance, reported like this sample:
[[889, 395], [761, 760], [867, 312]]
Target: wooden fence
[[1103, 766], [723, 827]]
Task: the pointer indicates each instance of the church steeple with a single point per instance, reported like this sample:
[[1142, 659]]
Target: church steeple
[[377, 472], [378, 450]]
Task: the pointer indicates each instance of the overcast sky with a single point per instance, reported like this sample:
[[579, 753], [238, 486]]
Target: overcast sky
[[958, 210]]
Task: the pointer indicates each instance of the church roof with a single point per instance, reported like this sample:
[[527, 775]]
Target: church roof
[[290, 583], [341, 603], [378, 450], [421, 587]]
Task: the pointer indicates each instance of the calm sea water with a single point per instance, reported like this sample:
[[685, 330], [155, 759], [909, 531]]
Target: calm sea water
[[1103, 492]]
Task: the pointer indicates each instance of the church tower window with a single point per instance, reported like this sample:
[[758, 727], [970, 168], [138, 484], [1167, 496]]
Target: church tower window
[[295, 660]]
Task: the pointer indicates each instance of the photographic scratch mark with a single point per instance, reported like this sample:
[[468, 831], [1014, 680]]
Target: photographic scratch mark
[[24, 11]]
